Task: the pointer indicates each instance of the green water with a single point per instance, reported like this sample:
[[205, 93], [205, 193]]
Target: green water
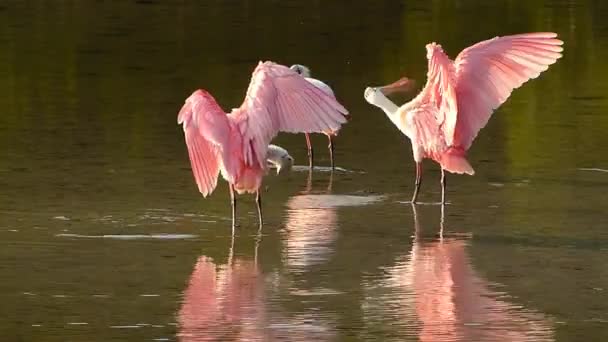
[[103, 235]]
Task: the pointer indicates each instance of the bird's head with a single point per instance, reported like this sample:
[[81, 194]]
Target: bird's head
[[302, 70], [374, 94], [279, 158], [286, 164]]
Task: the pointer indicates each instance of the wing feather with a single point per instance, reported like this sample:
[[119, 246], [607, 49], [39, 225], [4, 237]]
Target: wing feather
[[280, 100], [206, 132], [504, 62], [482, 77]]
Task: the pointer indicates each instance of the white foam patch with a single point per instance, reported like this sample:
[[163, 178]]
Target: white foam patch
[[131, 237], [306, 168], [424, 203], [593, 169], [316, 292], [330, 201]]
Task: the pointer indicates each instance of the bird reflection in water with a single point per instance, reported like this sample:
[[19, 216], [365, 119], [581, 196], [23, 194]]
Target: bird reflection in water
[[452, 302], [224, 302], [230, 303]]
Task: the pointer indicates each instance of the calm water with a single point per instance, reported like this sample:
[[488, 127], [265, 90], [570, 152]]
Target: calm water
[[103, 235]]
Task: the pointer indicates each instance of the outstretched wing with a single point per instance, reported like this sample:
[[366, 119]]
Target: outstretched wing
[[486, 74], [440, 90], [206, 131], [279, 99]]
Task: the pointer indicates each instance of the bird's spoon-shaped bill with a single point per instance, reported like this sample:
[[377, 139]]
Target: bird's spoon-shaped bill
[[403, 84]]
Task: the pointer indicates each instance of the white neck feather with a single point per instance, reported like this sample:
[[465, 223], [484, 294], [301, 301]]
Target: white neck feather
[[390, 108]]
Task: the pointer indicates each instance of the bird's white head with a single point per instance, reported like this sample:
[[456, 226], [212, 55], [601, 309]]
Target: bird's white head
[[373, 95], [303, 70], [279, 158]]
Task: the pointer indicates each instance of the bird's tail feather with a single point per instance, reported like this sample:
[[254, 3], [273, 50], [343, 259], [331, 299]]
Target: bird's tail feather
[[454, 160]]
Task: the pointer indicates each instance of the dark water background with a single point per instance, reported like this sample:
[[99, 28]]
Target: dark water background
[[103, 235]]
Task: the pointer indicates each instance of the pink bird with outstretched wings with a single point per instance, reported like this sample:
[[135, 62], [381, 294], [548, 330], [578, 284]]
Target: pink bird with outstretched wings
[[236, 144], [461, 95]]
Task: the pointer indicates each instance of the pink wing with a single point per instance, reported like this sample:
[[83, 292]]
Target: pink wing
[[487, 73], [440, 88], [278, 99], [206, 131], [482, 77]]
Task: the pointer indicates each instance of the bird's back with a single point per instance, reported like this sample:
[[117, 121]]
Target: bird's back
[[321, 85]]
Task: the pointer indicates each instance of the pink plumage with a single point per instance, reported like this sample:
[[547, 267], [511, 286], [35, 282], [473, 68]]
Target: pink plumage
[[461, 95], [236, 144]]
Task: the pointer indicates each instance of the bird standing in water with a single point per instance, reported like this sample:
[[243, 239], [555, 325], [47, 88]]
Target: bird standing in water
[[304, 71], [460, 96], [236, 144]]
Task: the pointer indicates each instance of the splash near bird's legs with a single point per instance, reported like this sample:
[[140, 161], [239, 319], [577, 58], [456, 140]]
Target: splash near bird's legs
[[233, 204], [331, 151], [258, 201], [310, 151], [443, 186], [418, 181]]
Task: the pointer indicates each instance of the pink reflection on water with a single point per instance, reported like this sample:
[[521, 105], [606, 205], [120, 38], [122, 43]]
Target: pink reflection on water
[[453, 303], [223, 303]]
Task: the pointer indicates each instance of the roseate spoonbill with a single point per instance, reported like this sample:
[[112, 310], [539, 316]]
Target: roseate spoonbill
[[237, 143], [459, 97], [304, 71], [278, 157]]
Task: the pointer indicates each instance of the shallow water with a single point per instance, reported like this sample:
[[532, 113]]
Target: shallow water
[[103, 235]]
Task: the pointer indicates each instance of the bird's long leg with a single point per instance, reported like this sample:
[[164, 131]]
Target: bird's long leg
[[258, 240], [416, 224], [443, 186], [233, 204], [258, 201], [308, 181], [441, 221], [331, 150], [310, 151], [418, 181], [231, 251]]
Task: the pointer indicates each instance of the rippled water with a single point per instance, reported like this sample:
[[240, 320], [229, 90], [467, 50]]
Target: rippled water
[[103, 235]]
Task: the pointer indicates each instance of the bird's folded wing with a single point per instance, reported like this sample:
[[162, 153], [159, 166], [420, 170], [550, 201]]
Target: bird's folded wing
[[206, 131], [278, 99], [424, 131], [486, 74]]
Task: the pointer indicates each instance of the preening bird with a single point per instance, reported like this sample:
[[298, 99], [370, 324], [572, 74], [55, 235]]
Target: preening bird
[[278, 158], [460, 96], [236, 144], [304, 71]]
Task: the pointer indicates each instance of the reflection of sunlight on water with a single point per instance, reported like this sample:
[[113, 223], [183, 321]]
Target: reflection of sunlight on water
[[311, 226], [442, 297]]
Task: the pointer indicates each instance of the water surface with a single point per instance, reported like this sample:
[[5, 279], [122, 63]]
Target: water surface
[[103, 235]]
